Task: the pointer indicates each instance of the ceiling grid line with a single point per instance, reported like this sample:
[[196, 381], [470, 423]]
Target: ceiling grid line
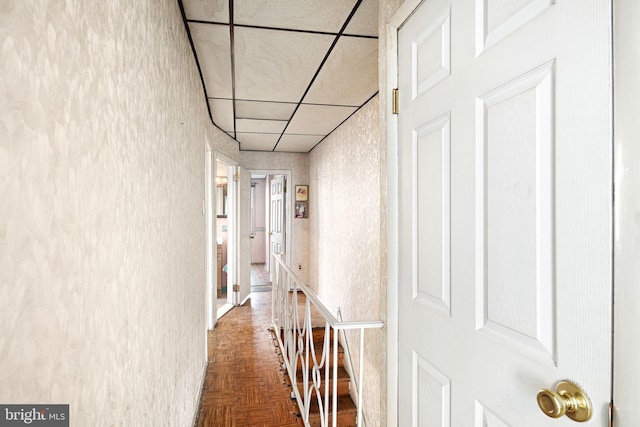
[[195, 57], [315, 76], [341, 123], [233, 69], [284, 74], [292, 30], [292, 103]]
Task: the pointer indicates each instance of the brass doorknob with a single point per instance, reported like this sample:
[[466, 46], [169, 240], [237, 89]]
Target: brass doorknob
[[567, 399]]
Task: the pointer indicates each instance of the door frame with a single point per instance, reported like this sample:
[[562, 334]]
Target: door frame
[[209, 238], [242, 233], [626, 274], [626, 321], [287, 208], [232, 224], [387, 83]]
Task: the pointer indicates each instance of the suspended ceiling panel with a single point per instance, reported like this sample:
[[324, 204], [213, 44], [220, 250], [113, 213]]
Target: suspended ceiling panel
[[276, 65], [265, 110], [281, 75], [298, 143], [349, 76], [260, 126], [214, 11], [365, 21], [325, 15], [258, 141], [318, 119], [216, 64], [222, 110]]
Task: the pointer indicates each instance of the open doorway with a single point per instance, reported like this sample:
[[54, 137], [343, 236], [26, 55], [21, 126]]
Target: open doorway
[[270, 223], [260, 280], [225, 223]]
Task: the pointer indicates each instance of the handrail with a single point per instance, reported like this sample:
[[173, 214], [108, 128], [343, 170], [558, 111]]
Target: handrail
[[295, 339], [308, 292]]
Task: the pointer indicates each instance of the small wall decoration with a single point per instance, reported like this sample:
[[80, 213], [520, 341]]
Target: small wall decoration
[[301, 209], [302, 193]]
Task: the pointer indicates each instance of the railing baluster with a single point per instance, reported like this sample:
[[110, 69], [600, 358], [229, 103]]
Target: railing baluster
[[360, 377], [335, 380], [297, 345], [325, 351], [306, 364]]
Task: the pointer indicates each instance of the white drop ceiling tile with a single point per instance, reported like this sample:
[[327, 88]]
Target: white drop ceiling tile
[[207, 10], [222, 112], [257, 141], [318, 119], [313, 15], [264, 110], [276, 65], [260, 126], [350, 75], [298, 143], [365, 20], [212, 47]]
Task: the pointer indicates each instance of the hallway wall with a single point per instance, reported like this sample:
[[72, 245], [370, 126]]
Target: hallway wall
[[346, 238], [102, 136]]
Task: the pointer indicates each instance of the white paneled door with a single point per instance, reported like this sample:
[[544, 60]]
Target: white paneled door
[[277, 216], [505, 223]]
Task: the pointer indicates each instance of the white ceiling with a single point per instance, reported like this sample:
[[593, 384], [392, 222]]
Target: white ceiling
[[280, 75]]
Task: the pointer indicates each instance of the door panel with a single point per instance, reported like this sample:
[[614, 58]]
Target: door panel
[[432, 394], [515, 181], [504, 209], [277, 214], [431, 181]]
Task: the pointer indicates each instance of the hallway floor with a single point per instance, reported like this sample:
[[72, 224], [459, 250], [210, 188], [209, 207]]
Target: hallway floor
[[260, 280], [245, 385]]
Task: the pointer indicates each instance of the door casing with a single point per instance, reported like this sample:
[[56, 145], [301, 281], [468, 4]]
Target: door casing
[[626, 368], [209, 238], [232, 217]]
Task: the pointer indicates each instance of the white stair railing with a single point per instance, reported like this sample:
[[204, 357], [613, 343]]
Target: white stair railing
[[294, 330]]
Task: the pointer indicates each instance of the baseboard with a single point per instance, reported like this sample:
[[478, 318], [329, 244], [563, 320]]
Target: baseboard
[[196, 416]]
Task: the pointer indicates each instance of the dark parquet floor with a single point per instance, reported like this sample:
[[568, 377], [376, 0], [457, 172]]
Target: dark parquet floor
[[245, 385]]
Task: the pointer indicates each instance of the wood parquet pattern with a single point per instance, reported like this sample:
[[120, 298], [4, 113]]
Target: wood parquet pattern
[[245, 384]]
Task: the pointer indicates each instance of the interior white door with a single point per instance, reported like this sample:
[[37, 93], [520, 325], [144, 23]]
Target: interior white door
[[244, 236], [277, 215], [505, 153]]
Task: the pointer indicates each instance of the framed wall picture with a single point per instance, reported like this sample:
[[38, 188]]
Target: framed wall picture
[[301, 210], [302, 193]]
